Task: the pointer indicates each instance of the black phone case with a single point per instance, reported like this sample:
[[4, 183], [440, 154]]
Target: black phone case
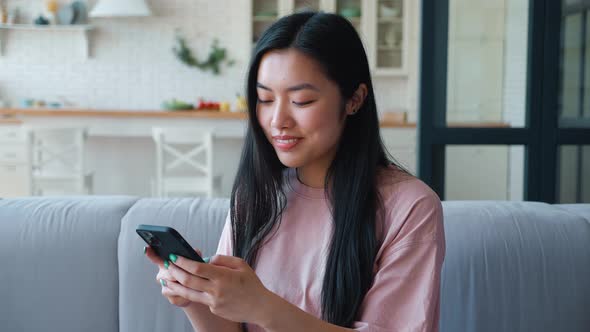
[[167, 241]]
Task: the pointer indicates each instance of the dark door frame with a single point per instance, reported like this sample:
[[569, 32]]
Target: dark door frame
[[541, 137]]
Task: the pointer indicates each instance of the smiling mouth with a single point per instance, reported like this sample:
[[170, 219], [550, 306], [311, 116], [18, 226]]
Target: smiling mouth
[[286, 143]]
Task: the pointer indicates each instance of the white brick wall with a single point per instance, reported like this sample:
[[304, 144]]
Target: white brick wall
[[132, 65]]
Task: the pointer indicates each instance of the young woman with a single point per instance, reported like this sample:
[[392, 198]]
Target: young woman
[[325, 233]]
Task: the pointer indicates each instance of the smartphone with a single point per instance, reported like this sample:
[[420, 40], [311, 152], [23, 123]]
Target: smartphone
[[165, 241]]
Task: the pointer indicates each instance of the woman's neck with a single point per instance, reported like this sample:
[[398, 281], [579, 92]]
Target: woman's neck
[[312, 176]]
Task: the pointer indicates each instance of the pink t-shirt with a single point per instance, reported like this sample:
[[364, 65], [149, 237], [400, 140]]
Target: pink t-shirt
[[405, 291]]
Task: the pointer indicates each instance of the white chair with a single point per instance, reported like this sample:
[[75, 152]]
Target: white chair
[[184, 163], [57, 161]]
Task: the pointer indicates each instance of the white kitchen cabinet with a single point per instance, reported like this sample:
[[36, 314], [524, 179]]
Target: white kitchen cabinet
[[382, 24], [14, 162], [264, 13], [388, 33], [13, 153], [11, 134]]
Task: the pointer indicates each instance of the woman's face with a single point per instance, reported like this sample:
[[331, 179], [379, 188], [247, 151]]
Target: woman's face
[[299, 109]]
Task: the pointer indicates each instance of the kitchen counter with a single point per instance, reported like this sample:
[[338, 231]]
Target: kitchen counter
[[155, 114], [58, 112], [17, 114], [125, 123]]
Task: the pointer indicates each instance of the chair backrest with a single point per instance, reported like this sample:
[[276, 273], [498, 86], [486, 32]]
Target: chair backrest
[[57, 149], [186, 152]]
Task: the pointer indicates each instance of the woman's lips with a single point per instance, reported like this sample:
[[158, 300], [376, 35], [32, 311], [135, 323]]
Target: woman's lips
[[286, 143]]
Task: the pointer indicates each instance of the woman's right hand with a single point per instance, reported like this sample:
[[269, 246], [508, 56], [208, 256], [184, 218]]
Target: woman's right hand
[[165, 276]]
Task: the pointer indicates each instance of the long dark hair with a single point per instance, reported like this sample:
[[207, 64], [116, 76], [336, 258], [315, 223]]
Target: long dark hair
[[258, 199]]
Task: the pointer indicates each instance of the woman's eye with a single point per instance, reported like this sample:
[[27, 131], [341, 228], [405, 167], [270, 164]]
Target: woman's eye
[[303, 103], [264, 101]]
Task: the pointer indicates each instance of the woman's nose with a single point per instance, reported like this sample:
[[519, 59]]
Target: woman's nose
[[281, 117]]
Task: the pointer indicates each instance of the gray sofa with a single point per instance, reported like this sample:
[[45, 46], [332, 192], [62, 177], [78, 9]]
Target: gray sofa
[[76, 264]]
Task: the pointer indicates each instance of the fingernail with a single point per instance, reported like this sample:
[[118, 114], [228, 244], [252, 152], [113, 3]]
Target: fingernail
[[144, 250], [173, 258], [166, 264], [163, 282], [206, 259]]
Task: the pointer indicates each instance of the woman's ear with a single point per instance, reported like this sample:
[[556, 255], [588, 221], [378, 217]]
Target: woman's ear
[[355, 103]]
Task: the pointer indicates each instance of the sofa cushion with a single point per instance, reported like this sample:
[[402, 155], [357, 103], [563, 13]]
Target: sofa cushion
[[515, 266], [58, 259], [141, 304]]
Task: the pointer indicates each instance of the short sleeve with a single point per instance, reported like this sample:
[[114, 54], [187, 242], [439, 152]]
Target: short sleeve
[[405, 295], [225, 240]]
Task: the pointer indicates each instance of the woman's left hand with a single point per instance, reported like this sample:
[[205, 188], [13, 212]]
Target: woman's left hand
[[228, 285]]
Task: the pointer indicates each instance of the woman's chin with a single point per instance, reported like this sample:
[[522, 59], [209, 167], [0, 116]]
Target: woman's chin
[[290, 161]]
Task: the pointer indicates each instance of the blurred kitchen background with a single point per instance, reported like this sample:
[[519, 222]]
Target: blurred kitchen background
[[146, 98]]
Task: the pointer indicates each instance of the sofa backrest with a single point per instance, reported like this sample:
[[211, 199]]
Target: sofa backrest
[[141, 305], [72, 264], [516, 266], [58, 263]]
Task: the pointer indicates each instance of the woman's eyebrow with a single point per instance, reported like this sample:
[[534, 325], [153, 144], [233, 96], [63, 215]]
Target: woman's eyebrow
[[259, 85], [297, 87], [303, 87]]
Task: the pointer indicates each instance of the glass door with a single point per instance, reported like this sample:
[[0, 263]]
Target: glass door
[[504, 99]]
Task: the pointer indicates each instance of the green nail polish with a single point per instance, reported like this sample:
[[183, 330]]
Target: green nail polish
[[144, 250], [163, 282], [173, 258], [206, 259], [166, 264]]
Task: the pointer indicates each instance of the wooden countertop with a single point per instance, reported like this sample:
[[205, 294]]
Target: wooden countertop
[[59, 112], [13, 115]]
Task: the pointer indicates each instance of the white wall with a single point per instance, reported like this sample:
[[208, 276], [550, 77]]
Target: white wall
[[132, 65]]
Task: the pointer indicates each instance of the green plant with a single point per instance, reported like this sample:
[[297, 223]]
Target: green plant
[[217, 55]]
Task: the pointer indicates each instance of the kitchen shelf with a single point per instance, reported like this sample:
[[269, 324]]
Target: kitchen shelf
[[83, 29]]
